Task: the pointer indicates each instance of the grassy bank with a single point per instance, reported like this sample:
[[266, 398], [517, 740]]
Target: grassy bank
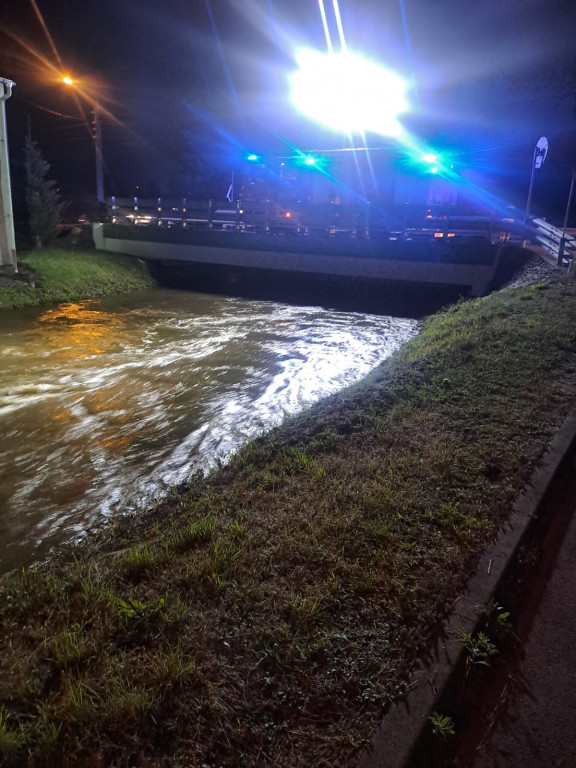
[[265, 614], [54, 275]]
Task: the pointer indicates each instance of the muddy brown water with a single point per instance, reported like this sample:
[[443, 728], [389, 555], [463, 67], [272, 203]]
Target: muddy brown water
[[105, 404]]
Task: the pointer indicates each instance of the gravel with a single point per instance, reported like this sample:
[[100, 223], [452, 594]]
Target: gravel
[[535, 270]]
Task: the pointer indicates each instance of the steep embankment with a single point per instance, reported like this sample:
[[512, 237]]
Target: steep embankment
[[263, 615]]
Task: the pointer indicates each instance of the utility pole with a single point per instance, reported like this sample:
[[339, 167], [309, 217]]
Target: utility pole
[[7, 239], [97, 136]]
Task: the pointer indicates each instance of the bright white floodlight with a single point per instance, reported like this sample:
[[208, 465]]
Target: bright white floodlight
[[348, 93]]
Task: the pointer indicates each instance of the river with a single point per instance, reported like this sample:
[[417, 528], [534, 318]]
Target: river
[[105, 404]]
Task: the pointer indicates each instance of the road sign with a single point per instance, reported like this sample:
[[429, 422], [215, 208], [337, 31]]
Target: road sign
[[540, 152]]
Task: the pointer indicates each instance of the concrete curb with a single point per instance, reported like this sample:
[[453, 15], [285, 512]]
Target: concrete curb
[[395, 741]]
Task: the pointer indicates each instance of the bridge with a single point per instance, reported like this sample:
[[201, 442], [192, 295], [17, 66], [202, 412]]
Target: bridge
[[461, 250]]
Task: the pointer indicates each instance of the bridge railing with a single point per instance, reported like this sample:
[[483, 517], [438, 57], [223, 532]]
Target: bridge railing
[[555, 241], [322, 221], [163, 212]]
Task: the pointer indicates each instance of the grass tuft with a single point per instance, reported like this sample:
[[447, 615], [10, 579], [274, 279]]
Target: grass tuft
[[266, 613]]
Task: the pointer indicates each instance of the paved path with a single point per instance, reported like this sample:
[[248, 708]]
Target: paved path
[[529, 714]]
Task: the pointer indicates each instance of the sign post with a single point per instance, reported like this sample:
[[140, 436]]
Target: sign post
[[568, 205]]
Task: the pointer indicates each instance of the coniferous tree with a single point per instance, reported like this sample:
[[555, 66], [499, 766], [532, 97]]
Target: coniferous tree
[[45, 208]]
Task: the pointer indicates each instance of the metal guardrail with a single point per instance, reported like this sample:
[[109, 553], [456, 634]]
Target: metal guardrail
[[319, 221], [555, 241], [161, 212]]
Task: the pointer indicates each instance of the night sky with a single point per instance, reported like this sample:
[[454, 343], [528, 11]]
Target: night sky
[[188, 84]]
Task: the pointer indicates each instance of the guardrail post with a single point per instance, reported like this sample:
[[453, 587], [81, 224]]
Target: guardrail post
[[210, 213], [159, 211], [135, 210], [266, 218], [237, 216], [184, 222], [333, 216], [560, 258]]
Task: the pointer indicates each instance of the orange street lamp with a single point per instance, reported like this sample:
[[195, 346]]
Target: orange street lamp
[[97, 138]]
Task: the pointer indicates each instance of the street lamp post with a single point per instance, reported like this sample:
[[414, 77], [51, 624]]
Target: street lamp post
[[7, 239], [97, 139]]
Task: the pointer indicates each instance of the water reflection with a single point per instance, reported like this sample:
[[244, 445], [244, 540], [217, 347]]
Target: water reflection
[[79, 330], [105, 403]]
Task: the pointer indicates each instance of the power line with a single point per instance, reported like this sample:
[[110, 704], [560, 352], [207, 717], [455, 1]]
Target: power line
[[79, 116]]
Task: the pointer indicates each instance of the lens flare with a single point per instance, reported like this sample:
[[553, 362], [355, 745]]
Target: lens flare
[[349, 93]]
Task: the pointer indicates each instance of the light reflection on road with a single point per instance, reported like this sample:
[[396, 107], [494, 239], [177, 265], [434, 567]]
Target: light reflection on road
[[104, 404]]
